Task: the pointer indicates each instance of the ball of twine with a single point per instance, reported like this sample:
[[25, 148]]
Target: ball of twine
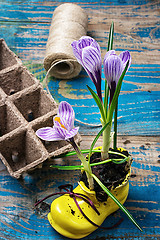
[[69, 23]]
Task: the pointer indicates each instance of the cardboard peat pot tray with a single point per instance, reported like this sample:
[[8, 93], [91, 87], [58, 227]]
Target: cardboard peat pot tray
[[24, 107]]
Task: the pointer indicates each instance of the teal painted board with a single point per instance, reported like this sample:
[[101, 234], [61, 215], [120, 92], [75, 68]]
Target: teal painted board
[[25, 27], [19, 219], [139, 101]]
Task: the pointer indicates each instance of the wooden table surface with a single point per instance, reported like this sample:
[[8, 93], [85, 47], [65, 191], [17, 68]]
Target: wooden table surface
[[25, 28]]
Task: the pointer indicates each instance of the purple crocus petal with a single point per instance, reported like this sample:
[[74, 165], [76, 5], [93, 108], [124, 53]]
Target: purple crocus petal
[[77, 51], [78, 46], [62, 132], [72, 133], [109, 53], [87, 41], [88, 54], [63, 127], [125, 56], [91, 59], [48, 134], [113, 67], [66, 114], [60, 128], [81, 44], [56, 123]]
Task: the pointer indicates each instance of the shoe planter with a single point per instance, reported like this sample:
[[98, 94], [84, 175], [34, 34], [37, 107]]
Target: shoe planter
[[66, 218]]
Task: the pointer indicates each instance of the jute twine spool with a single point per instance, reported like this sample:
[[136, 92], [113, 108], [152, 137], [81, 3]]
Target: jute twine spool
[[69, 23]]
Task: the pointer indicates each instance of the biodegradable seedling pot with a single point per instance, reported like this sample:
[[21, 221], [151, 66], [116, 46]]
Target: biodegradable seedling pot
[[24, 107]]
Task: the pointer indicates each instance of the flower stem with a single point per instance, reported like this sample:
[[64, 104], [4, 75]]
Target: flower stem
[[106, 141], [86, 164]]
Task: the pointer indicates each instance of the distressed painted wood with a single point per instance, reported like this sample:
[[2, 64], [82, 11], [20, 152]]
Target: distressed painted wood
[[19, 219], [25, 27]]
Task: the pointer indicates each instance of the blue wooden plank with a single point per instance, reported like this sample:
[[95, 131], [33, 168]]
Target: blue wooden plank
[[19, 220], [25, 28], [138, 102], [26, 22]]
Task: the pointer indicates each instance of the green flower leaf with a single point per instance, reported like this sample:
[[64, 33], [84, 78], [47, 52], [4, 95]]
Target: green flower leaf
[[115, 127], [67, 167], [106, 95], [78, 167], [117, 202], [95, 140], [98, 102], [110, 39]]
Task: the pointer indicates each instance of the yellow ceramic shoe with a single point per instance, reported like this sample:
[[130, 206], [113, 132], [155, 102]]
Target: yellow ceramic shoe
[[66, 218]]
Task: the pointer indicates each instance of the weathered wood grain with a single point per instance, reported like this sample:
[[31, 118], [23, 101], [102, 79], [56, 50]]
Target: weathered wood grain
[[139, 101], [25, 27], [19, 219]]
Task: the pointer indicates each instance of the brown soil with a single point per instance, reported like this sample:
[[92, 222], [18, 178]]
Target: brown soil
[[110, 174]]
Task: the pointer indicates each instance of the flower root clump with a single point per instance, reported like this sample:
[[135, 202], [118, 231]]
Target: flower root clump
[[110, 174]]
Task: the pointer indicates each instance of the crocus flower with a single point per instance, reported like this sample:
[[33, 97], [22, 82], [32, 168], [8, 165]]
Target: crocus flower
[[113, 68], [88, 54], [63, 128]]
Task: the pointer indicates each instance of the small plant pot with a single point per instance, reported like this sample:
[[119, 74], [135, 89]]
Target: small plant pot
[[66, 218]]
